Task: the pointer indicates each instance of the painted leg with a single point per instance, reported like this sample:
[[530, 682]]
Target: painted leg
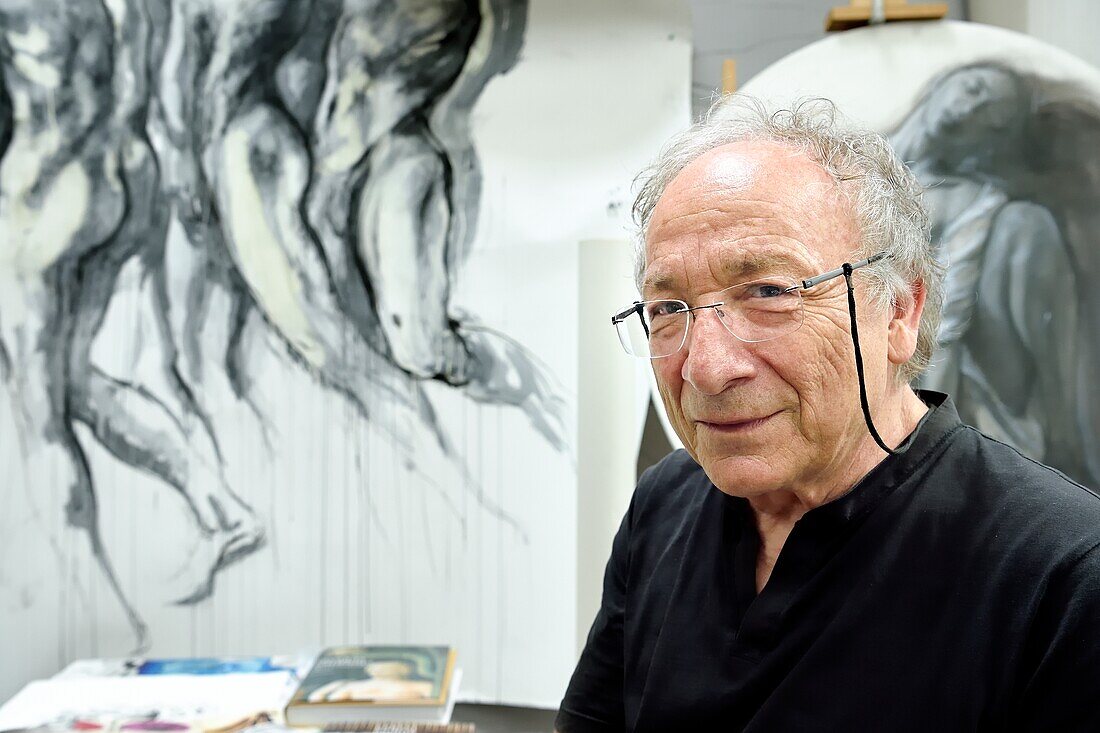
[[44, 225], [62, 496], [136, 427], [403, 235], [140, 431]]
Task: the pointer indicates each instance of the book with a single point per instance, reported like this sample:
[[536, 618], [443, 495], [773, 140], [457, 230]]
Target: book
[[363, 684], [401, 728], [135, 666]]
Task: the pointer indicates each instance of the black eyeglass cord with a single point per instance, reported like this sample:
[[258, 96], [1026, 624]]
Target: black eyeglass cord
[[847, 267]]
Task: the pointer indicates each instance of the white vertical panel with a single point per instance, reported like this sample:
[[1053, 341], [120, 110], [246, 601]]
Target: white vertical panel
[[607, 446]]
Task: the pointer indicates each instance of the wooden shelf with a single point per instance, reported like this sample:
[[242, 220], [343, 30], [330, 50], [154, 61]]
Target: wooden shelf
[[858, 13]]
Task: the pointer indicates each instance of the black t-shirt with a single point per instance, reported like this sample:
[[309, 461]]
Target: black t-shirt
[[955, 588]]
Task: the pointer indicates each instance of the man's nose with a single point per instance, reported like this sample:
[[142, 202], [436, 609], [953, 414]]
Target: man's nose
[[715, 357]]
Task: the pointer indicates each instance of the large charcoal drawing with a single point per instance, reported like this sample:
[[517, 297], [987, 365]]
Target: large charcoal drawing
[[317, 157], [1012, 171]]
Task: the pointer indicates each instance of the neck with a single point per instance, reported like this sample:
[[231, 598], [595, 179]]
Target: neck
[[776, 512]]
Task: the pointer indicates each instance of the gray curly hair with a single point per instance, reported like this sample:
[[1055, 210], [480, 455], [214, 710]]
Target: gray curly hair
[[885, 195]]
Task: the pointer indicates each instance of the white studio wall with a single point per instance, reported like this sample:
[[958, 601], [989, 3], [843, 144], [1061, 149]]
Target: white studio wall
[[288, 330], [757, 34], [1071, 25]]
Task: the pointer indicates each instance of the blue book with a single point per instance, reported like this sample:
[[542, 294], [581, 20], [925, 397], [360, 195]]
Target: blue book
[[214, 665]]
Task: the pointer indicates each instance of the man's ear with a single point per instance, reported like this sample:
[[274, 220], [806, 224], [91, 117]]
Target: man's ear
[[902, 340]]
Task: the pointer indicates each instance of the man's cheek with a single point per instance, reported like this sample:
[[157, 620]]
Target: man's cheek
[[812, 361], [669, 386], [671, 399]]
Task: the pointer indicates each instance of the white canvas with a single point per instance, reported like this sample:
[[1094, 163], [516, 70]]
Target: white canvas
[[361, 528]]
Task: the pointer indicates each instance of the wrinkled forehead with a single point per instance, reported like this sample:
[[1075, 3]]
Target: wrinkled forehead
[[731, 178], [731, 264], [753, 208]]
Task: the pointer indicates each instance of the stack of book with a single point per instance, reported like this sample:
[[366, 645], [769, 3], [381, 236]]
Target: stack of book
[[400, 689]]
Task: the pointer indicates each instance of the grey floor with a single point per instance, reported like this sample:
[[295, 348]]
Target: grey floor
[[504, 718]]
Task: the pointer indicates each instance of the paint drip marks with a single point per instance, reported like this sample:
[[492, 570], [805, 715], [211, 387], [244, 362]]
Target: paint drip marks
[[268, 170]]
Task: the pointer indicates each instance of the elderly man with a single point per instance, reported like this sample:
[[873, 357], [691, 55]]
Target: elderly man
[[814, 560]]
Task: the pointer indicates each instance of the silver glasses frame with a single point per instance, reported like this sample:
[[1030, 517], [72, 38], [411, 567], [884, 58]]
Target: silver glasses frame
[[636, 306]]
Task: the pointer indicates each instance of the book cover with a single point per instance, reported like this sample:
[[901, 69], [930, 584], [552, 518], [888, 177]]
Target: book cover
[[358, 683]]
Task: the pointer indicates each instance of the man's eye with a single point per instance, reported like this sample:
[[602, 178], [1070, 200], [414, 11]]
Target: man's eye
[[664, 308], [766, 290]]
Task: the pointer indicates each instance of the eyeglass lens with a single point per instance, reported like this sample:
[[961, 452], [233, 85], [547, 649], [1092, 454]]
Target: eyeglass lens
[[756, 311]]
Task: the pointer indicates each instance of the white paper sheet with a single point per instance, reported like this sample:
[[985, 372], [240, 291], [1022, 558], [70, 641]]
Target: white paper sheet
[[176, 698]]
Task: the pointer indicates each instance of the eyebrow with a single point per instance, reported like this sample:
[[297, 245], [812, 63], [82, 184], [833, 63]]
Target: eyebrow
[[739, 267]]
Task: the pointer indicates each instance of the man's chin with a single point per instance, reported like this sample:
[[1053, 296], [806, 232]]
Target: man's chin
[[743, 476]]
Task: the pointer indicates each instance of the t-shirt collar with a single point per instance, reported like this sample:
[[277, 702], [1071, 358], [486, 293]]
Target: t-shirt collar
[[941, 420]]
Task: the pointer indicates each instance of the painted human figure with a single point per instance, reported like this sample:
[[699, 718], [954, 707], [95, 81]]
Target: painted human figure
[[1008, 344], [78, 199], [323, 109], [397, 188], [318, 158], [236, 168]]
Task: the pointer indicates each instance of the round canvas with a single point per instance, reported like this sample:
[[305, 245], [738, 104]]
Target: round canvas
[[1004, 133]]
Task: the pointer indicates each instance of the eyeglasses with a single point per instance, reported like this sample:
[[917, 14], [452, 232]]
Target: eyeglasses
[[755, 311]]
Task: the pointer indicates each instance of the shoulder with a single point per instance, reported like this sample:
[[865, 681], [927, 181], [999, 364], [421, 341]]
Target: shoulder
[[671, 479], [1006, 467], [676, 466], [1019, 501], [1026, 214], [668, 491], [1023, 227], [1021, 232]]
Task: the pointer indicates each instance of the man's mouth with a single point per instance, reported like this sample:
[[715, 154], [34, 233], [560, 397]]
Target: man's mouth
[[734, 427]]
